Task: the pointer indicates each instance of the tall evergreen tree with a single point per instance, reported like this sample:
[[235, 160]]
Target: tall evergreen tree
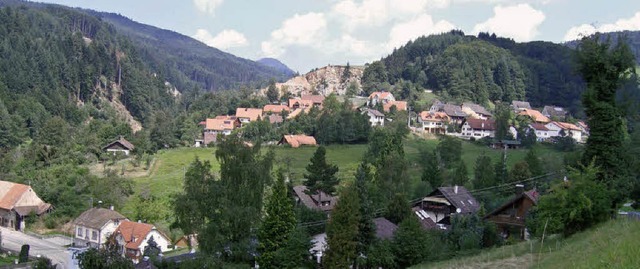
[[321, 176], [535, 166], [366, 227], [460, 175], [431, 171], [398, 208], [279, 222], [410, 241], [272, 92], [520, 171], [502, 118], [484, 175], [604, 67], [342, 231], [450, 151], [502, 172]]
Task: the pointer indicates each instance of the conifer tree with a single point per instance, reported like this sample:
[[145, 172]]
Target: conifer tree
[[279, 222], [431, 171], [484, 175], [342, 231], [460, 175], [535, 166], [366, 227], [321, 176]]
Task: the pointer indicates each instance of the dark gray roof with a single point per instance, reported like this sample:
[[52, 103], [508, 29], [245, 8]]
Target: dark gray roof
[[453, 110], [314, 201], [461, 199], [554, 111], [95, 218], [477, 109], [384, 228], [375, 112], [517, 105]]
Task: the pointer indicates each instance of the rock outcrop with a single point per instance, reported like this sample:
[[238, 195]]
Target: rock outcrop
[[326, 80]]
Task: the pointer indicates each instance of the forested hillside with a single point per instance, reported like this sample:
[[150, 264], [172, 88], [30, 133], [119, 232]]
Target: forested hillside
[[482, 69]]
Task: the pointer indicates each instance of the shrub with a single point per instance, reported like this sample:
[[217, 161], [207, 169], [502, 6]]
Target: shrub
[[24, 254]]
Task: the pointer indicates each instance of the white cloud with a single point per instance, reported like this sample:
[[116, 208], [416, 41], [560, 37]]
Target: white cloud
[[207, 6], [224, 40], [577, 32], [519, 22], [401, 33], [372, 13], [302, 30]]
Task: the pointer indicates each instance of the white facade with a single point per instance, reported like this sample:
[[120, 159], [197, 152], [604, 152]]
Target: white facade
[[375, 119], [469, 132], [96, 237]]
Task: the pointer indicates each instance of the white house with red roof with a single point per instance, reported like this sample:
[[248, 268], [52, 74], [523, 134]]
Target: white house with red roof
[[133, 237], [557, 128], [478, 128], [17, 202], [380, 97]]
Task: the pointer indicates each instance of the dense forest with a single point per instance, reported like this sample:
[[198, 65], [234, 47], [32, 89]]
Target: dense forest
[[482, 69]]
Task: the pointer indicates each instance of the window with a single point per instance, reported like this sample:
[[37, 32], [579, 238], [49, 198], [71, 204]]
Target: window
[[79, 234], [94, 235]]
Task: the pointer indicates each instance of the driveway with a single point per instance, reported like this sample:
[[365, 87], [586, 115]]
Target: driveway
[[52, 249]]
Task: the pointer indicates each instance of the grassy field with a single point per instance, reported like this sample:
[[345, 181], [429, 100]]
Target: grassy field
[[165, 176], [613, 244]]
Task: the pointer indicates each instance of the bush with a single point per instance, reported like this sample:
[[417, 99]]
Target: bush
[[572, 206], [50, 222], [24, 254]]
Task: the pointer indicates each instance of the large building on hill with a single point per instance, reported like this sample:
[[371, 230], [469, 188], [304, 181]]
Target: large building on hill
[[18, 202]]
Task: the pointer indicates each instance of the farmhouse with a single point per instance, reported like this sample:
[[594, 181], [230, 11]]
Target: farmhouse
[[478, 128], [510, 218], [246, 115], [132, 238], [120, 145], [376, 118], [297, 140], [296, 104], [518, 106], [434, 122], [435, 210], [565, 129], [475, 111], [94, 226], [17, 202], [455, 113], [316, 100], [320, 201], [400, 106], [380, 97], [542, 132], [535, 115], [221, 125], [275, 109]]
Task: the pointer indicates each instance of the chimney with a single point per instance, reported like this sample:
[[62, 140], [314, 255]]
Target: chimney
[[482, 125], [111, 207], [99, 204], [519, 189], [455, 189]]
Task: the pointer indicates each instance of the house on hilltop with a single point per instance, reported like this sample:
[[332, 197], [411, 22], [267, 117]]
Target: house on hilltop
[[17, 202], [510, 218], [132, 238], [220, 125], [120, 145], [478, 128], [297, 140], [94, 226], [435, 210], [434, 122]]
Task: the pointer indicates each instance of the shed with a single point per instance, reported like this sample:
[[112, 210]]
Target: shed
[[297, 140], [120, 145]]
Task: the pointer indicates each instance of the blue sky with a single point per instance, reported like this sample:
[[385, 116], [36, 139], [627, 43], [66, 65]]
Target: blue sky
[[305, 34]]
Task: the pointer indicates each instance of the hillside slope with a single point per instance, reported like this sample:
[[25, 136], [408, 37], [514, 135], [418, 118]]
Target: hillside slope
[[325, 80], [482, 69], [278, 65]]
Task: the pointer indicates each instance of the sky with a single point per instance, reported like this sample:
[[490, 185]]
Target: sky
[[305, 34]]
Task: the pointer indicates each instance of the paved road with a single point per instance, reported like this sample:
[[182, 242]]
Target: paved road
[[58, 254]]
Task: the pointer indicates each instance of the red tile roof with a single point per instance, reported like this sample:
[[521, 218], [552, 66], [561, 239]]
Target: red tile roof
[[300, 103], [381, 95], [133, 233], [566, 126], [433, 116], [12, 195], [400, 106], [276, 109], [219, 124], [535, 115], [253, 114], [539, 127], [21, 198], [298, 140], [479, 124], [316, 99]]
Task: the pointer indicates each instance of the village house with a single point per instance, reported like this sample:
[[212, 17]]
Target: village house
[[454, 112], [564, 129], [221, 125], [518, 106], [510, 218], [584, 128], [297, 140], [380, 97], [297, 104], [319, 201], [554, 112], [542, 132], [120, 145], [535, 115], [399, 105], [316, 100], [18, 202], [478, 128], [275, 109], [435, 210], [376, 118], [433, 122], [275, 118], [475, 111], [94, 226], [132, 238], [246, 115]]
